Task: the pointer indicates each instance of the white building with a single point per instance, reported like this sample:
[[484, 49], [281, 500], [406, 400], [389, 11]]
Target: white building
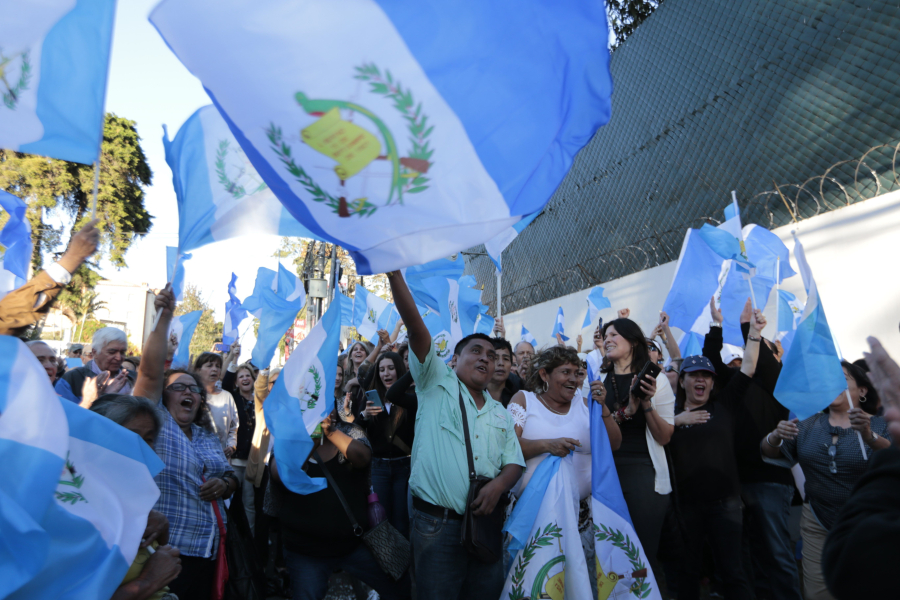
[[128, 306]]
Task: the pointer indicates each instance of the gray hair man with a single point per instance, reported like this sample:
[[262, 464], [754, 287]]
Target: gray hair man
[[109, 346]]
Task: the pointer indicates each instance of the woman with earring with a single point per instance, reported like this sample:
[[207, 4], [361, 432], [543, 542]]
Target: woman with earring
[[826, 445], [646, 422]]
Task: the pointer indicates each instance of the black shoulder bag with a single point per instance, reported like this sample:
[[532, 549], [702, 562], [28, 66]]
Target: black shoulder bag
[[388, 546], [482, 536]]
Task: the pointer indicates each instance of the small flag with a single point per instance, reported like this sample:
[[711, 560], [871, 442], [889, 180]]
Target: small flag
[[370, 313], [220, 195], [811, 375], [395, 147], [559, 326], [789, 312], [696, 279], [234, 314], [596, 302], [181, 332], [276, 300], [54, 59], [527, 337], [346, 309], [16, 240], [302, 397], [416, 277], [175, 270]]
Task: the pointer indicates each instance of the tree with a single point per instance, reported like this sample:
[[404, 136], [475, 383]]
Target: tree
[[50, 185], [86, 307], [208, 330], [626, 15], [297, 249]]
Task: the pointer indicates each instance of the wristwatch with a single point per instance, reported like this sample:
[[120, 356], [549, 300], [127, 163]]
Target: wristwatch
[[715, 324], [874, 438]]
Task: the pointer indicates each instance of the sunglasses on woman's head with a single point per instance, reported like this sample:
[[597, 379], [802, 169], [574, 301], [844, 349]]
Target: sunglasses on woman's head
[[180, 387]]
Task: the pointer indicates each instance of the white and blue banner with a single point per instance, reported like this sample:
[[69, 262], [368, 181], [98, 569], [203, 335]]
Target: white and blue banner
[[302, 397], [621, 565], [496, 245], [181, 332], [811, 375], [175, 270], [417, 279], [103, 496], [402, 135], [234, 314], [596, 302], [34, 439], [790, 309], [559, 326], [17, 246], [220, 194], [371, 313], [548, 560], [276, 300], [527, 337], [54, 59]]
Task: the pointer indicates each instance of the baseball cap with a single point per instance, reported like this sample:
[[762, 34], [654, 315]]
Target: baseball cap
[[697, 363]]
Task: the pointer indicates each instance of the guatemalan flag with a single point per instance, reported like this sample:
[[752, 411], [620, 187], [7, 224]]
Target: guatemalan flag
[[181, 332], [402, 134], [175, 270], [54, 59], [220, 194], [34, 439], [790, 309], [621, 565], [811, 375], [234, 314], [371, 313], [302, 397], [596, 302], [559, 327], [16, 241], [276, 300], [102, 500], [527, 337], [496, 245]]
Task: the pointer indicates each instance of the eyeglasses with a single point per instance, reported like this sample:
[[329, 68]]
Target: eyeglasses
[[76, 352], [180, 387], [832, 452]]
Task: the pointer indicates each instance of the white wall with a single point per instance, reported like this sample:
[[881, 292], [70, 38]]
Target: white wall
[[853, 255]]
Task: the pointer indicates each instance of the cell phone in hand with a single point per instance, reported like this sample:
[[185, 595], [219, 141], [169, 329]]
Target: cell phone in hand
[[653, 370], [221, 348], [373, 397], [600, 324]]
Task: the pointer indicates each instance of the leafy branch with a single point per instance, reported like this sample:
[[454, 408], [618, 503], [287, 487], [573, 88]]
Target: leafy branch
[[11, 96], [417, 122], [641, 588], [540, 539]]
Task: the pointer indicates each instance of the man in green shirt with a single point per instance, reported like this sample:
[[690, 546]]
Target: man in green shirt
[[439, 479]]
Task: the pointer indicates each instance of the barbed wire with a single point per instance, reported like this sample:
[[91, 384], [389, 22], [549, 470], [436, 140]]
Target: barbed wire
[[844, 183]]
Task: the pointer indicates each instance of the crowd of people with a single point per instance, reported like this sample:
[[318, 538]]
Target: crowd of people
[[703, 451]]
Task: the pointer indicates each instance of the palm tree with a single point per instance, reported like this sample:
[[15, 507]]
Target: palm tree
[[86, 307]]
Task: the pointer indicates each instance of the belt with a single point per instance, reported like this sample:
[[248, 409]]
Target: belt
[[434, 510]]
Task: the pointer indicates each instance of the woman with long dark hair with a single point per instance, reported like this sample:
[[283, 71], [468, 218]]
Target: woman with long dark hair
[[827, 447], [646, 424], [390, 430]]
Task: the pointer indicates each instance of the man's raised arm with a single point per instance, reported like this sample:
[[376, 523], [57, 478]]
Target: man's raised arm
[[419, 337]]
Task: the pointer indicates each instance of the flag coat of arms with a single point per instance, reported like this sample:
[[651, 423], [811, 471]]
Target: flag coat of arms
[[304, 395], [54, 59], [402, 135]]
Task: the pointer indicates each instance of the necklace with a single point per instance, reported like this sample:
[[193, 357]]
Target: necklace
[[615, 386], [547, 406]]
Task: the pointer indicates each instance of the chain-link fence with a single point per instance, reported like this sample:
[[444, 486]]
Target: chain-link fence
[[710, 97]]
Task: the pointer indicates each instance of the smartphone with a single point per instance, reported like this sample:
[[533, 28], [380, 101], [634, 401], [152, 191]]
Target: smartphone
[[373, 397], [600, 324], [221, 348], [652, 369]]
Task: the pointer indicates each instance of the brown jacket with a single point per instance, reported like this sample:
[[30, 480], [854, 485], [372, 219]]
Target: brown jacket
[[27, 304], [256, 461]]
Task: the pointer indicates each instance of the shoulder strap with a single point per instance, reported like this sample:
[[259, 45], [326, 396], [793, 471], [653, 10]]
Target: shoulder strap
[[465, 424], [357, 530]]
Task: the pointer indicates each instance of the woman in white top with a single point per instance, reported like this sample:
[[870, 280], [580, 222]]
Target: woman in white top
[[554, 419], [208, 366]]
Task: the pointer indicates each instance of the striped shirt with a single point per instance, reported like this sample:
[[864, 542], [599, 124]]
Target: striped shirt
[[193, 528]]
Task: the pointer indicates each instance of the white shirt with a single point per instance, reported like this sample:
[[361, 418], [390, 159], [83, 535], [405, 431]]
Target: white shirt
[[225, 417]]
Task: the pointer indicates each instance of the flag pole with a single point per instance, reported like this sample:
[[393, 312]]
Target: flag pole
[[499, 299], [862, 444], [777, 288], [96, 188]]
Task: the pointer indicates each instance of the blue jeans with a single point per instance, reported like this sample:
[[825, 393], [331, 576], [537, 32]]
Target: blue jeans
[[309, 574], [720, 523], [390, 479], [444, 570], [771, 567]]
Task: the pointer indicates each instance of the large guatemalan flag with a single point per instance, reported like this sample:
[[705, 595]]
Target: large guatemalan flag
[[54, 58], [302, 397], [220, 195], [402, 134]]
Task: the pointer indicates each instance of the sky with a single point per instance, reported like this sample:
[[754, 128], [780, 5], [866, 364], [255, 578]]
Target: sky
[[148, 85]]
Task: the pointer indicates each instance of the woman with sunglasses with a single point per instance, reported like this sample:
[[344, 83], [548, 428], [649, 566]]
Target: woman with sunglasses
[[826, 445], [197, 477]]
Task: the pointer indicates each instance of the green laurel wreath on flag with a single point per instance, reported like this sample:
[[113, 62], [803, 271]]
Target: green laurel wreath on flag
[[283, 150], [232, 187], [72, 498], [419, 130], [641, 588], [11, 95], [540, 539], [311, 399]]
